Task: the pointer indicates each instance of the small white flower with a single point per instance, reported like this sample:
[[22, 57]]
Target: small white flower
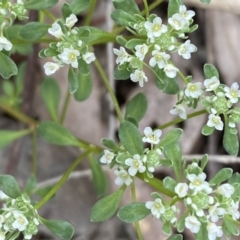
[[5, 44], [89, 57], [186, 14], [122, 177], [71, 20], [192, 223], [155, 28], [20, 222], [197, 182], [186, 49], [179, 109], [159, 58], [193, 90], [152, 136], [55, 30], [107, 157], [135, 164], [141, 51], [215, 211], [226, 190], [70, 56], [181, 190], [50, 67], [123, 56], [215, 121], [214, 231], [232, 93], [177, 22], [170, 70], [211, 84], [157, 207], [233, 210], [139, 76]]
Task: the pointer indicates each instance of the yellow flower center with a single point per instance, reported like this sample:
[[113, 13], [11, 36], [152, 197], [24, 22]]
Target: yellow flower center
[[176, 22], [158, 57], [135, 163], [156, 27], [197, 182], [193, 88], [233, 93], [109, 156], [72, 56], [21, 220], [123, 175], [158, 205], [215, 120]]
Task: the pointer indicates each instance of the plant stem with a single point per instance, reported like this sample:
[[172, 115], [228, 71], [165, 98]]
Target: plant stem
[[90, 12], [61, 181], [49, 14], [65, 106], [34, 152], [146, 8], [182, 77], [178, 120], [18, 115], [110, 90]]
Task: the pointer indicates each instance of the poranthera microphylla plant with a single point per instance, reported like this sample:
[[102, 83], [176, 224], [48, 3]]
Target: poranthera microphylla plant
[[211, 207]]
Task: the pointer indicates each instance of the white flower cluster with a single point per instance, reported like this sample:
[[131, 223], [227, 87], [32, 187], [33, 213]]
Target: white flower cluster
[[18, 215], [129, 165], [69, 49], [160, 38], [8, 13]]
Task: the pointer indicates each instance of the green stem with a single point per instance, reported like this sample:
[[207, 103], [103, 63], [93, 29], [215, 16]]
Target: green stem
[[90, 12], [110, 90], [61, 181], [153, 71], [146, 8], [18, 115], [34, 152], [49, 14], [182, 77], [65, 106], [178, 120]]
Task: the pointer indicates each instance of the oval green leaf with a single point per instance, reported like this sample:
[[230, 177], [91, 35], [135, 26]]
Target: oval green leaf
[[107, 206], [129, 6], [122, 18], [85, 87], [173, 7], [210, 71], [223, 175], [9, 186], [8, 67], [79, 6], [176, 237], [40, 5], [172, 136], [72, 80]]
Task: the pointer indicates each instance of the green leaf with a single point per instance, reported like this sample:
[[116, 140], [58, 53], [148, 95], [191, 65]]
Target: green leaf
[[8, 88], [40, 5], [55, 133], [128, 6], [130, 138], [204, 161], [166, 84], [99, 177], [121, 74], [7, 137], [66, 10], [230, 225], [167, 228], [172, 136], [83, 67], [223, 175], [107, 206], [62, 229], [7, 66], [85, 87], [122, 18], [121, 40], [31, 184], [169, 183], [109, 144], [206, 130], [176, 237], [19, 78], [79, 6], [72, 80], [9, 186], [137, 107], [210, 71], [202, 234], [33, 31], [133, 212], [181, 222], [173, 152], [50, 93], [230, 141], [133, 42], [206, 1], [173, 7]]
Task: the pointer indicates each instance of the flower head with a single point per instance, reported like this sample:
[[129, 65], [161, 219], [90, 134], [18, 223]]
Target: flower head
[[152, 136], [184, 13], [5, 44], [186, 49], [70, 56], [215, 121], [157, 208], [107, 157], [155, 28], [123, 56], [89, 57], [214, 231], [181, 190], [232, 93], [20, 222], [233, 210], [192, 223], [141, 51], [226, 190], [193, 90], [177, 21], [71, 20], [159, 58], [135, 164], [50, 67], [170, 70], [215, 211], [179, 109], [139, 76], [197, 182], [122, 177], [55, 30], [211, 84]]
